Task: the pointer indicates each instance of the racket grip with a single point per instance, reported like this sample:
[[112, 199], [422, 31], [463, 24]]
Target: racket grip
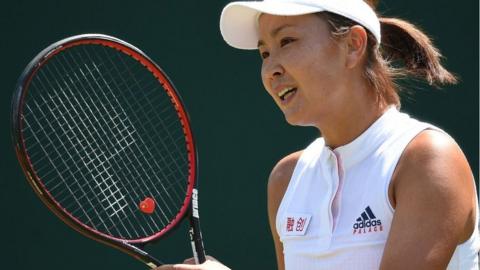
[[197, 246], [195, 232]]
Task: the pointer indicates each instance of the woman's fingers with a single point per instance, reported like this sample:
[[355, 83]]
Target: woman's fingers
[[192, 260], [210, 264]]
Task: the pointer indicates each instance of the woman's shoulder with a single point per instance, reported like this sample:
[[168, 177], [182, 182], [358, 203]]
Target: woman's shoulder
[[433, 161], [282, 172], [430, 148]]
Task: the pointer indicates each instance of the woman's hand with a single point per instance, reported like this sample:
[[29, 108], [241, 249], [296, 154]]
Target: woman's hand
[[189, 264]]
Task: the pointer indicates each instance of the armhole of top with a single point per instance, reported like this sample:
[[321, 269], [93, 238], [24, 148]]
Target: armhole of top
[[409, 137]]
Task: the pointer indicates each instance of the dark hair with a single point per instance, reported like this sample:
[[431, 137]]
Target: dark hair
[[404, 51]]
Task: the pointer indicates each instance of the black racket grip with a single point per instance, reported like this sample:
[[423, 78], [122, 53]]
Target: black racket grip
[[196, 241], [195, 232]]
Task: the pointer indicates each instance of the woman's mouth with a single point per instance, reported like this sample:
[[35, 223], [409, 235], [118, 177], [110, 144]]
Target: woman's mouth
[[285, 93]]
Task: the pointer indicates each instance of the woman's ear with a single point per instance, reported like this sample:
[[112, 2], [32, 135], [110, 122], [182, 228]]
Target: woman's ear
[[356, 45]]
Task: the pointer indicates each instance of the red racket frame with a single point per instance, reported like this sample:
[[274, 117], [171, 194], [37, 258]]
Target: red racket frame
[[130, 246]]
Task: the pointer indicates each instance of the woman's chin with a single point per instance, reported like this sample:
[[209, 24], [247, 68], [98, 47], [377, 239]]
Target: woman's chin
[[294, 120]]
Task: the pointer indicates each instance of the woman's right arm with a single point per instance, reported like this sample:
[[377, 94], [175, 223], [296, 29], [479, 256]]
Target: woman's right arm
[[277, 185]]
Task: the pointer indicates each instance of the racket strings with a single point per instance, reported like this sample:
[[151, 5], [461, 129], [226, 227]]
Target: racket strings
[[67, 130], [105, 154], [99, 73], [92, 159], [146, 150], [169, 136], [76, 176], [55, 165]]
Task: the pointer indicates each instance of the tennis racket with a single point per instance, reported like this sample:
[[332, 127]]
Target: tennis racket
[[105, 142]]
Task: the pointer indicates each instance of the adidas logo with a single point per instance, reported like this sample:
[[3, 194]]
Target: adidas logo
[[367, 222]]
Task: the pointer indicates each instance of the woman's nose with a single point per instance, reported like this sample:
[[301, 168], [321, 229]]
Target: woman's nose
[[272, 69]]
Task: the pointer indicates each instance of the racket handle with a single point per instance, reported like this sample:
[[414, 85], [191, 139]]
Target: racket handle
[[197, 246], [195, 232]]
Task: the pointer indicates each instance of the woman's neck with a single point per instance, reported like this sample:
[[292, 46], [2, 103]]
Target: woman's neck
[[350, 122]]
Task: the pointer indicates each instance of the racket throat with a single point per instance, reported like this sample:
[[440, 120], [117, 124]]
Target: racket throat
[[195, 203], [143, 256]]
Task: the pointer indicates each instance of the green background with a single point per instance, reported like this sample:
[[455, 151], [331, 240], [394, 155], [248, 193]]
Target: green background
[[240, 133]]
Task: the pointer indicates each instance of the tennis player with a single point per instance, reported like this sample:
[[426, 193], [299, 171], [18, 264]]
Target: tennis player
[[378, 189]]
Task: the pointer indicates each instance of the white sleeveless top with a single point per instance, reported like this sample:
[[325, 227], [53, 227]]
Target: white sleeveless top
[[336, 213]]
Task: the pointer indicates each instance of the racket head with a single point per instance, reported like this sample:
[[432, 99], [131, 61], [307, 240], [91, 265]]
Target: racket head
[[29, 149]]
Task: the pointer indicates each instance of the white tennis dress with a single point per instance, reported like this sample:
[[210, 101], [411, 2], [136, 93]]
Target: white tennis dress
[[336, 214]]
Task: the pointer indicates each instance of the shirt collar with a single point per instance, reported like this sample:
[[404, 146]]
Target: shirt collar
[[370, 140]]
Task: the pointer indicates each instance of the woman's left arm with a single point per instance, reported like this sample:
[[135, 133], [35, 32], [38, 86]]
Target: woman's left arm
[[433, 194]]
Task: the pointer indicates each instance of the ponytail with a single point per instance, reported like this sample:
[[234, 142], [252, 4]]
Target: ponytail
[[404, 51], [403, 42]]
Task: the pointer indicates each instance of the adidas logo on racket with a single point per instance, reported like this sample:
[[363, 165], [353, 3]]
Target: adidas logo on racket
[[367, 223]]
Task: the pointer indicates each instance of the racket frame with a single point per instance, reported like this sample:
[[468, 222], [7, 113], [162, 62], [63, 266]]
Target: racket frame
[[131, 247]]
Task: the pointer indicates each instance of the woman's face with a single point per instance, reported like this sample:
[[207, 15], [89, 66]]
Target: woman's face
[[303, 68]]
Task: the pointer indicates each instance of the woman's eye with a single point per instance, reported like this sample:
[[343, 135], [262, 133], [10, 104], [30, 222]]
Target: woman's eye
[[285, 41], [264, 54]]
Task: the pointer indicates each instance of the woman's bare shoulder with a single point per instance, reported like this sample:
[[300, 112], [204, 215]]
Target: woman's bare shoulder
[[281, 174], [433, 159]]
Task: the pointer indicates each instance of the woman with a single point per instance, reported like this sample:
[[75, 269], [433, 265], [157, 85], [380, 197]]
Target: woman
[[378, 190]]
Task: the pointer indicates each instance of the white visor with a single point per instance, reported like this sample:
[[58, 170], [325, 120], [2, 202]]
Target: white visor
[[239, 20]]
